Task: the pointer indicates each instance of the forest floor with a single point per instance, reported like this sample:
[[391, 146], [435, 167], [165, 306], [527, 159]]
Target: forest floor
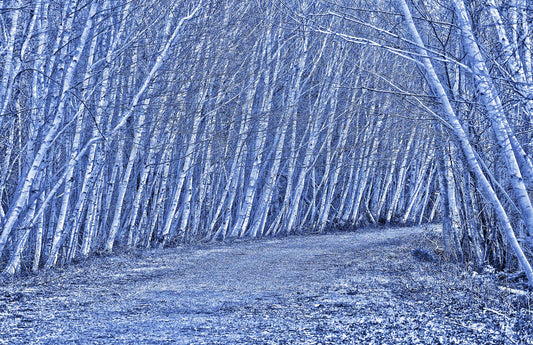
[[376, 286]]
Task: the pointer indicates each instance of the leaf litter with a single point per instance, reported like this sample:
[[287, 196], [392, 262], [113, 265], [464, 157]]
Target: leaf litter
[[372, 286]]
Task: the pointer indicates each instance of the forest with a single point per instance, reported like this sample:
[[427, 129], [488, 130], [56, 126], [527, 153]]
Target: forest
[[142, 124]]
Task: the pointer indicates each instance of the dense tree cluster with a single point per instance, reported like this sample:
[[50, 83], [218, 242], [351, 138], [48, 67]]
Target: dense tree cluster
[[151, 123], [478, 65]]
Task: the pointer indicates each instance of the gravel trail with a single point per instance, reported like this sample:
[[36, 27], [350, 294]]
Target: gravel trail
[[363, 287]]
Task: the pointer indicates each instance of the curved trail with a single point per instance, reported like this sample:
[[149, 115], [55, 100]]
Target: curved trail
[[345, 288]]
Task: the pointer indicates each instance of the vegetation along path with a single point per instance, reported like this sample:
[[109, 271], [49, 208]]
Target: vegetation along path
[[378, 286]]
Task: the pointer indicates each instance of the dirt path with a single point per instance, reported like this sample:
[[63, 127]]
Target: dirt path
[[346, 288]]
